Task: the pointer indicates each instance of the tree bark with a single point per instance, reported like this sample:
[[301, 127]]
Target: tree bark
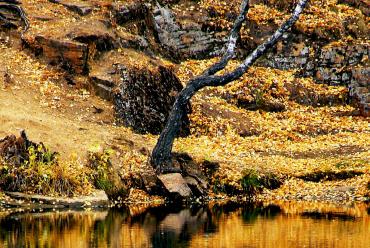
[[161, 155]]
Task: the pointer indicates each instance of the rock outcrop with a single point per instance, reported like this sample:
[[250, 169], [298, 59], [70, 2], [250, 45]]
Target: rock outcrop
[[181, 41], [69, 55], [182, 30], [143, 89], [173, 35], [360, 89], [72, 47]]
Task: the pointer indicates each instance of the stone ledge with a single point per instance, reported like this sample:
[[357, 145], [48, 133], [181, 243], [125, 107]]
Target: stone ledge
[[96, 199]]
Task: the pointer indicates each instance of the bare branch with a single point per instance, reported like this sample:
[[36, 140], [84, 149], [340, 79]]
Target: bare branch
[[231, 44], [257, 53]]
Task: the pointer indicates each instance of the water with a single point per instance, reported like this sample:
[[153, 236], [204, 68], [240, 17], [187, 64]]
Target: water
[[229, 225]]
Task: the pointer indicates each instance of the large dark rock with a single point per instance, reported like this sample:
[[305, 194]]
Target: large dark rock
[[129, 12], [144, 99], [143, 89]]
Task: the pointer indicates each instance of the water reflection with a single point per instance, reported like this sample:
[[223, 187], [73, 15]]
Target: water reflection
[[277, 224]]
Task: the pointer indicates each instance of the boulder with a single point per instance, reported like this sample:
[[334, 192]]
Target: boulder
[[176, 186], [71, 47], [195, 187]]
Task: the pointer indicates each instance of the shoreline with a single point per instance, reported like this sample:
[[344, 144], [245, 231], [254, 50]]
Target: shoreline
[[26, 202]]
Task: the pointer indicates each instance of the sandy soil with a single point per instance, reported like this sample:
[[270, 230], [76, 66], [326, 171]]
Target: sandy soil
[[39, 100]]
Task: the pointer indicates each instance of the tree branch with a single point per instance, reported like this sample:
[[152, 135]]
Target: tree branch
[[256, 54], [231, 44]]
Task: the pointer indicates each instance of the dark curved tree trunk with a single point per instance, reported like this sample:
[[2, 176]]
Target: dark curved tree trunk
[[161, 155]]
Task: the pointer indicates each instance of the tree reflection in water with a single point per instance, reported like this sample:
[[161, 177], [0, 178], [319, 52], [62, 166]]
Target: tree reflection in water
[[172, 226]]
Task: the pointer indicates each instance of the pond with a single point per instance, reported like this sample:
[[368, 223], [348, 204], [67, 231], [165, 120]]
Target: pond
[[277, 224]]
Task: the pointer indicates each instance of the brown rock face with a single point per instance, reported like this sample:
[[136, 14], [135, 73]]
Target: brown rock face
[[94, 34], [73, 46], [70, 55]]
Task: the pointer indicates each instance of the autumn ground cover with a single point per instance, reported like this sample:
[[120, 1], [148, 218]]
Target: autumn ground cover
[[295, 143], [291, 145], [272, 132]]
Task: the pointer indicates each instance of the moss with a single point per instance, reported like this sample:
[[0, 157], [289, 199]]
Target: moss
[[253, 182], [103, 176], [100, 163], [250, 182]]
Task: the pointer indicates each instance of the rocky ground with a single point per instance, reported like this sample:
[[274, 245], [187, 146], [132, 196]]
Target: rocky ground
[[94, 81]]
